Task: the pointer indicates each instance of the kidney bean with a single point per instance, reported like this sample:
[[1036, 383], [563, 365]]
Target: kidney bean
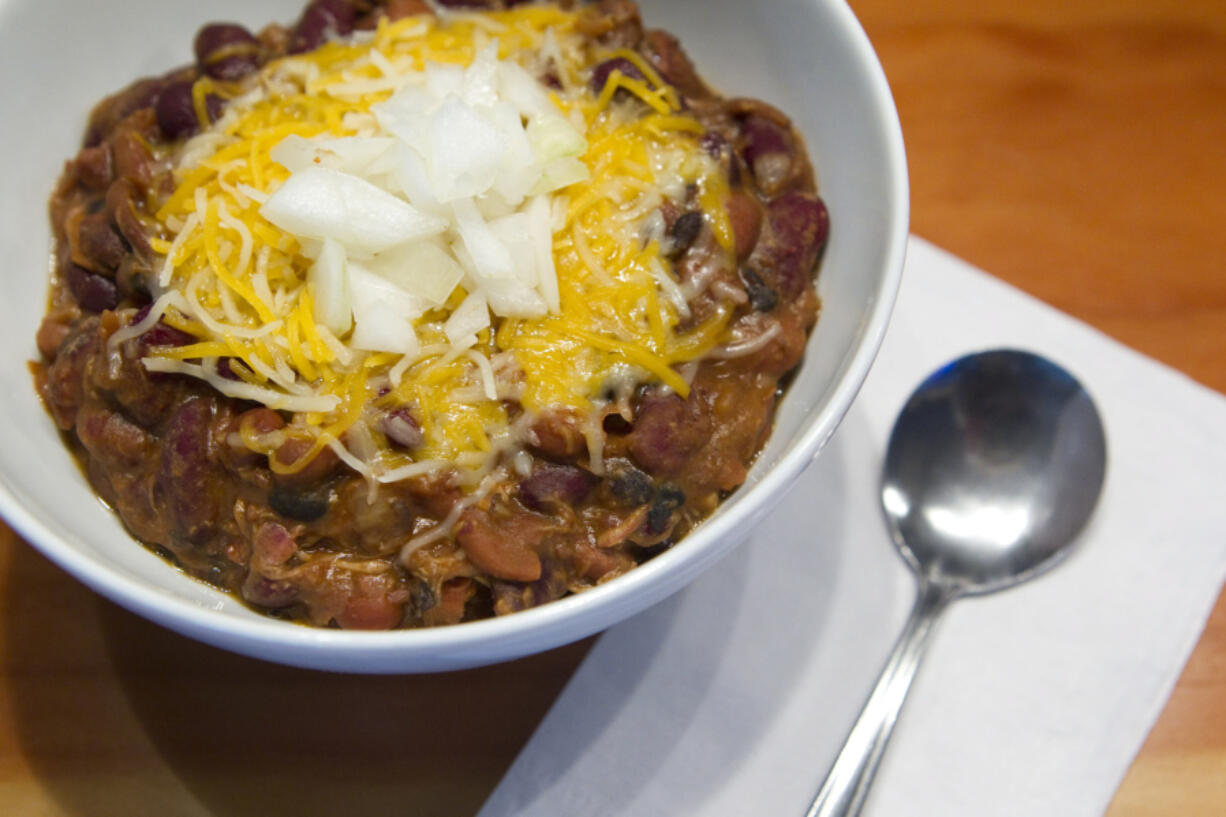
[[161, 334], [321, 19], [798, 225], [185, 477], [600, 74], [93, 292], [665, 433], [549, 485], [176, 113], [401, 429], [226, 51], [684, 232]]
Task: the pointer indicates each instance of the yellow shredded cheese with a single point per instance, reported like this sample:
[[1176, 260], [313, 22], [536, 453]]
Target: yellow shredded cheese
[[240, 282]]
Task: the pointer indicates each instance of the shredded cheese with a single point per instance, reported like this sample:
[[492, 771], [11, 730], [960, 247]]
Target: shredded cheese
[[238, 284]]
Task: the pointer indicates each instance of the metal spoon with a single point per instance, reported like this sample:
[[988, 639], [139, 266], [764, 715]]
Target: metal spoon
[[993, 467]]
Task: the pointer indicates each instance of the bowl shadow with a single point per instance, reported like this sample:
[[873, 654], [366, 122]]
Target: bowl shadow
[[115, 715]]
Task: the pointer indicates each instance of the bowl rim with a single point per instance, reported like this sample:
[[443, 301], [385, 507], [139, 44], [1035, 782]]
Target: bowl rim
[[564, 620]]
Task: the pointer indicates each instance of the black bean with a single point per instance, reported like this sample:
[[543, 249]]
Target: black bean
[[629, 486], [227, 51], [302, 506], [93, 292], [684, 232], [401, 428], [668, 500], [321, 19], [761, 297], [550, 485], [600, 74]]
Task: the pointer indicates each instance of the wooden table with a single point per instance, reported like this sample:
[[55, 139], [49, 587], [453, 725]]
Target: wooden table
[[1077, 150]]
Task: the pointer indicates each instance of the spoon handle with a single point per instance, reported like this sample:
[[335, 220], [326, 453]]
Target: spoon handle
[[847, 784]]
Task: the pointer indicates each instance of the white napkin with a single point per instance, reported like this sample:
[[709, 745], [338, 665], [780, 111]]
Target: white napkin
[[733, 697]]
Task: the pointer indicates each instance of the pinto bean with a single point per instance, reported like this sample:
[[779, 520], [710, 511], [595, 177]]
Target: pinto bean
[[121, 207], [666, 433], [670, 59], [132, 156], [320, 20], [398, 9], [558, 434], [113, 439], [226, 51], [374, 603], [186, 478], [93, 292], [502, 547], [116, 108], [313, 473], [64, 387], [98, 244], [51, 333], [551, 485], [94, 168], [745, 216]]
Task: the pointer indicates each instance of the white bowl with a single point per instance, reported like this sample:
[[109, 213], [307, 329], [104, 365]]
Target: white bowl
[[808, 57]]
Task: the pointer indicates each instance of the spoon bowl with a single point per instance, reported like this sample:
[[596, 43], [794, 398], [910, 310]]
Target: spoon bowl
[[993, 467]]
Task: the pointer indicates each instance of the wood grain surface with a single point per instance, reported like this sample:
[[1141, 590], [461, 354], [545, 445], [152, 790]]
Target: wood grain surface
[[1076, 150]]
